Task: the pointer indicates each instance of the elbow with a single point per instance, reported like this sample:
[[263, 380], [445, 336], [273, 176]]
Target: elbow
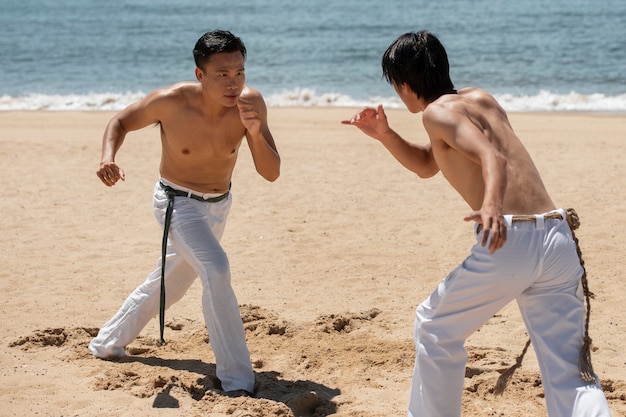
[[427, 171], [271, 175], [424, 175], [116, 125]]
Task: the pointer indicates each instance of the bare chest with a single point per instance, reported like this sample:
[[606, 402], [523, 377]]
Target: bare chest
[[199, 138]]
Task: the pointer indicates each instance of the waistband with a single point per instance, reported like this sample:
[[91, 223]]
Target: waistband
[[538, 219], [178, 191]]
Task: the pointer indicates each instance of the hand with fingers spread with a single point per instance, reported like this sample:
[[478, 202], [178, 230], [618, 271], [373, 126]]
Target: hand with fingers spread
[[372, 122], [110, 173]]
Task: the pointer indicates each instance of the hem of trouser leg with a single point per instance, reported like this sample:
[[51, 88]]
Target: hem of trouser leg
[[98, 353]]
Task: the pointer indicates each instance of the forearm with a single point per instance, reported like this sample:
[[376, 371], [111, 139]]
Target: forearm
[[265, 156], [415, 158], [495, 179], [112, 140]]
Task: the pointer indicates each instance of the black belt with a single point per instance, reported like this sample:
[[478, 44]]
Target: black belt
[[171, 193]]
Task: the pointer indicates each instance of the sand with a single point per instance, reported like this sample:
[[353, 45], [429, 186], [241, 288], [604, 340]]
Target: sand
[[328, 264]]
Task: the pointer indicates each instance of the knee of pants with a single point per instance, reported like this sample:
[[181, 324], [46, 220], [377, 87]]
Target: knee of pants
[[438, 330], [421, 332], [217, 266]]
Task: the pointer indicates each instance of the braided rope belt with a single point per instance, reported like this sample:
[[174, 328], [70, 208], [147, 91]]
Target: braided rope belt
[[584, 361]]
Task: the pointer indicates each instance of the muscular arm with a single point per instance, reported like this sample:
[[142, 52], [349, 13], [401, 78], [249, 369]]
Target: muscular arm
[[418, 159], [133, 117], [253, 112], [456, 130]]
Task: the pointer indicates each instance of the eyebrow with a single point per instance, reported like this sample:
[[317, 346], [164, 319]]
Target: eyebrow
[[229, 70]]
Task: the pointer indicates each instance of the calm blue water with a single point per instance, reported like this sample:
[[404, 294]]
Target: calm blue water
[[94, 54]]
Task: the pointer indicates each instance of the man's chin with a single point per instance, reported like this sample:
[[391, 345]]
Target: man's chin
[[230, 101]]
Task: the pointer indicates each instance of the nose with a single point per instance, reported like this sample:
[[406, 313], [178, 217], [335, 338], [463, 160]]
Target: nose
[[233, 81]]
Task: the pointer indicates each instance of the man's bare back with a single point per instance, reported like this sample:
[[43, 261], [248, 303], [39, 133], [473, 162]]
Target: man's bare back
[[475, 148], [480, 119]]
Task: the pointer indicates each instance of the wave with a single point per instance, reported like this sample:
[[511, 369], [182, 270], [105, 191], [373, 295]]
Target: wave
[[544, 101], [70, 102]]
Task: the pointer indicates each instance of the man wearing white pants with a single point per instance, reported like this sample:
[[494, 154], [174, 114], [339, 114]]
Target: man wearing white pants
[[193, 250], [524, 248], [546, 283], [202, 126]]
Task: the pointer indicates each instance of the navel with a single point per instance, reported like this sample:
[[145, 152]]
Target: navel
[[185, 151]]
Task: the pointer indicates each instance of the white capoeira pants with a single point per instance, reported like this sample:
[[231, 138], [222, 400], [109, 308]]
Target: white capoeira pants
[[539, 268], [193, 250]]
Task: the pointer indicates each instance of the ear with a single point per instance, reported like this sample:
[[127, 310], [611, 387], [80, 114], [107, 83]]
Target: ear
[[406, 89], [199, 74]]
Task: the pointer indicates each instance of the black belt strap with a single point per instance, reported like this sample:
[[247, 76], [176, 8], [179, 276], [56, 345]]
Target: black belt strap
[[171, 193], [181, 193], [166, 229]]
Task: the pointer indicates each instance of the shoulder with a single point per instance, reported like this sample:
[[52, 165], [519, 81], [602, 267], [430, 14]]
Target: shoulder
[[158, 104], [478, 96], [163, 101], [450, 117], [467, 103], [444, 111], [174, 92]]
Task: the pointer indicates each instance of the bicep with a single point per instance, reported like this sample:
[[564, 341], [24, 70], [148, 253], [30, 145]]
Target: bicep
[[142, 113]]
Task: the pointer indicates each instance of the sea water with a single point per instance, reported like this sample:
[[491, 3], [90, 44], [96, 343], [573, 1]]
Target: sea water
[[533, 55]]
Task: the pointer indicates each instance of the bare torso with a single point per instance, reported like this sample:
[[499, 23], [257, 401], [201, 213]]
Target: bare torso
[[525, 192], [202, 126], [199, 150]]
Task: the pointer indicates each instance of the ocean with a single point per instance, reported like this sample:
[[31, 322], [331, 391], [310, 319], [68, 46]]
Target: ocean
[[533, 55]]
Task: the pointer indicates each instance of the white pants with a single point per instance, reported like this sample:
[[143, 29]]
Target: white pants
[[193, 250], [539, 267]]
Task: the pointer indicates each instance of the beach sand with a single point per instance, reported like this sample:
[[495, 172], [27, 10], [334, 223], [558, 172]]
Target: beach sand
[[328, 263]]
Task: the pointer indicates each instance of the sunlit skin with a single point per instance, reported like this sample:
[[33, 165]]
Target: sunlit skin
[[202, 126], [473, 145]]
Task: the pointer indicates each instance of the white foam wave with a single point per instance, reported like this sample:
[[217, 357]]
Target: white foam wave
[[97, 102], [308, 98], [544, 101], [547, 101]]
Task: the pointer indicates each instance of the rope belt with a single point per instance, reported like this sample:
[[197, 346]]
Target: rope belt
[[171, 193], [526, 218], [584, 361], [521, 218]]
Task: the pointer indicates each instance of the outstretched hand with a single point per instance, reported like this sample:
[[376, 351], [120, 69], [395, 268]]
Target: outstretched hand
[[493, 226], [372, 122], [110, 173]]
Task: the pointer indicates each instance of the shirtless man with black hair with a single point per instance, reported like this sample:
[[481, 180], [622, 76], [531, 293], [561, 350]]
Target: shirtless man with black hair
[[524, 248], [202, 127]]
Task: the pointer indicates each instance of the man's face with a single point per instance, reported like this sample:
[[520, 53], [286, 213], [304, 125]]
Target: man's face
[[223, 77]]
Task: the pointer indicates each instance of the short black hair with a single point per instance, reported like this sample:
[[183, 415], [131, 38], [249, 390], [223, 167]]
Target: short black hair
[[214, 42], [419, 60]]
